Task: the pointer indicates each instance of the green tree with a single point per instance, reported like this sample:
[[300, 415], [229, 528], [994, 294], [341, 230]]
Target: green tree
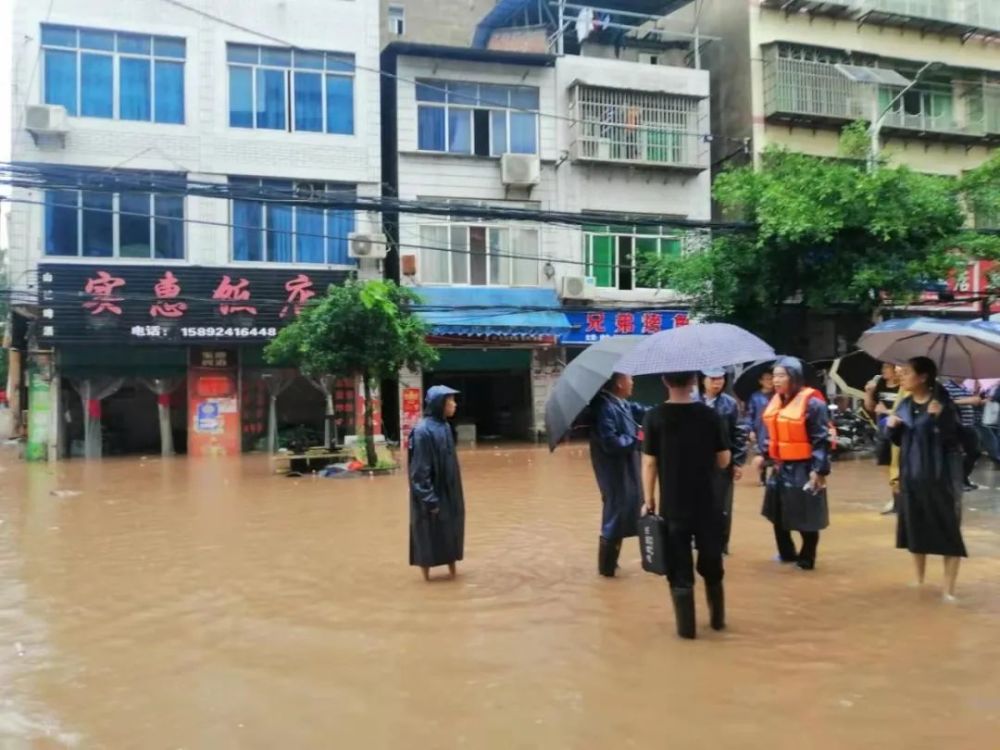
[[826, 233], [360, 328]]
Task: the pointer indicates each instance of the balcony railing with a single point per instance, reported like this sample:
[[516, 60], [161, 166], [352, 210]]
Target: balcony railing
[[796, 90], [965, 16], [638, 128]]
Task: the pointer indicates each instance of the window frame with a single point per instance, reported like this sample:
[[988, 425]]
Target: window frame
[[661, 234], [397, 20], [487, 227]]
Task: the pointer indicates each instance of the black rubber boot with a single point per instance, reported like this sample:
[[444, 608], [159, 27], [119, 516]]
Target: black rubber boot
[[613, 553], [716, 605], [684, 612], [606, 558]]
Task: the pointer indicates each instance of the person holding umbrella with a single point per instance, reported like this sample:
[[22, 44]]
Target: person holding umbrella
[[713, 381], [927, 429], [797, 440]]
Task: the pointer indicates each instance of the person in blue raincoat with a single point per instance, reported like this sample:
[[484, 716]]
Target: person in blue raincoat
[[614, 453], [798, 443], [437, 503], [712, 384], [756, 405]]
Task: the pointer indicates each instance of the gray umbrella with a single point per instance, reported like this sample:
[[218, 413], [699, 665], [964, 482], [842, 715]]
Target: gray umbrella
[[580, 382], [695, 348]]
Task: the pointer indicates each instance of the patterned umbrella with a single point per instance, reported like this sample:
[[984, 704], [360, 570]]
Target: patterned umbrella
[[695, 348]]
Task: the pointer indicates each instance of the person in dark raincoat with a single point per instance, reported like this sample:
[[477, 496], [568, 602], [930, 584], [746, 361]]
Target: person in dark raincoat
[[927, 429], [437, 504], [756, 405], [614, 454], [798, 443], [712, 384]]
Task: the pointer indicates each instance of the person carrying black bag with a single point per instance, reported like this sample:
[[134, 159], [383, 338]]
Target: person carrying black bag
[[685, 445]]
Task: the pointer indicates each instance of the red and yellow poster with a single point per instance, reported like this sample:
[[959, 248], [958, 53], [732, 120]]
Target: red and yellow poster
[[213, 404], [412, 410]]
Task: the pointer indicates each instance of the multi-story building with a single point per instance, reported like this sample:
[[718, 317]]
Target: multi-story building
[[613, 139], [448, 22], [153, 295]]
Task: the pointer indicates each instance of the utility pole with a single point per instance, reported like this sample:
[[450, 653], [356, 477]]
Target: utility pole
[[878, 118]]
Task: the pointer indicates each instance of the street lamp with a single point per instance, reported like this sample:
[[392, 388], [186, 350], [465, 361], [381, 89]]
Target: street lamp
[[875, 129]]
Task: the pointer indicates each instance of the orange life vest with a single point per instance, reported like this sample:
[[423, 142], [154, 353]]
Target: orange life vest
[[788, 437]]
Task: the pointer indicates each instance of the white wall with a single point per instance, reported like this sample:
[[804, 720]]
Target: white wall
[[205, 146]]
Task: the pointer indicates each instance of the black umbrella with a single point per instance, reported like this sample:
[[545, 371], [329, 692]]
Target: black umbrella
[[749, 381], [853, 371], [580, 382]]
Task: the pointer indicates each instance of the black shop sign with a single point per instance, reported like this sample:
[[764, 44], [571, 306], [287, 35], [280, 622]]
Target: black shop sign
[[174, 305]]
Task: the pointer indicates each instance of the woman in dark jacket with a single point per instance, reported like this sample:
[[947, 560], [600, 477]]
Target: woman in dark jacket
[[437, 504], [927, 430]]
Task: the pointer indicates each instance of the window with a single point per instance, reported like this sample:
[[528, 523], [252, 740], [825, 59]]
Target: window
[[293, 90], [397, 20], [94, 73], [275, 233], [114, 225], [472, 118], [618, 257], [479, 255]]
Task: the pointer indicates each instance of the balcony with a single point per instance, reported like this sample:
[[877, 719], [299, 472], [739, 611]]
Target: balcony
[[963, 17], [817, 94], [822, 7], [637, 128]]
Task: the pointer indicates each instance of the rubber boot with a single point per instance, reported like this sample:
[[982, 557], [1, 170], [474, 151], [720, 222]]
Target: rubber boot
[[716, 605], [684, 612], [605, 562], [615, 549]]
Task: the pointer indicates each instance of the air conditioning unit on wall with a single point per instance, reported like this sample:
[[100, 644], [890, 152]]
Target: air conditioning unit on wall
[[578, 287], [369, 246], [46, 123], [520, 170]]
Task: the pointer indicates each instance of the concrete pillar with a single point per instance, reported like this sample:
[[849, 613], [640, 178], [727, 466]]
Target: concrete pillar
[[545, 370]]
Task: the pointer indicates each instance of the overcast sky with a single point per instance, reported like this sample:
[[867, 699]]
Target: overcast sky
[[6, 9]]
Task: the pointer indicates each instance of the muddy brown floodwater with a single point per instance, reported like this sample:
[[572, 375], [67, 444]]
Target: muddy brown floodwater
[[208, 604]]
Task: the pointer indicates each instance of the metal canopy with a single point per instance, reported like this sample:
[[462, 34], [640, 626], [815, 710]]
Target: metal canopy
[[878, 76]]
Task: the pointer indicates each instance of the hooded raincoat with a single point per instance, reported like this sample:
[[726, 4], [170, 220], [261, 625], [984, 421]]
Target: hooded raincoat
[[728, 409], [614, 454], [786, 504], [437, 505]]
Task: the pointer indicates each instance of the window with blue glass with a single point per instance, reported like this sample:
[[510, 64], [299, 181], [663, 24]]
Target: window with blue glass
[[270, 232], [458, 117], [293, 90], [113, 74], [135, 225]]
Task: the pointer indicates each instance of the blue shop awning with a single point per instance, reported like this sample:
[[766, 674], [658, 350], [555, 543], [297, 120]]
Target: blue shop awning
[[489, 311]]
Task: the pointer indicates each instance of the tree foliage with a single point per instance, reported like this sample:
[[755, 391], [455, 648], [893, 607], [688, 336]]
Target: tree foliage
[[826, 233], [360, 328]]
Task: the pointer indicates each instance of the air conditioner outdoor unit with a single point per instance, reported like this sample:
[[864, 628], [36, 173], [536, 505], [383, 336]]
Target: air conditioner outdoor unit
[[578, 287], [371, 246], [521, 170], [46, 119]]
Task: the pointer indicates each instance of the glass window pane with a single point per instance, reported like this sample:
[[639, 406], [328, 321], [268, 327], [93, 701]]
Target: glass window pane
[[98, 222], [340, 105], [494, 96], [61, 237], [309, 102], [279, 234], [97, 85], [60, 79], [169, 227], [433, 263], [248, 219], [466, 94], [270, 99], [430, 91], [477, 256], [525, 242], [647, 250], [524, 97], [60, 36], [460, 131], [242, 53], [312, 60], [97, 40], [459, 259], [499, 264], [138, 44], [169, 92], [523, 133], [134, 240], [601, 261], [240, 97], [309, 235], [134, 89], [339, 63], [339, 224], [498, 132], [430, 128], [169, 46], [279, 57]]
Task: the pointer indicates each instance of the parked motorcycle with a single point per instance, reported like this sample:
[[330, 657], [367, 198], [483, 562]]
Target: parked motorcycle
[[854, 433]]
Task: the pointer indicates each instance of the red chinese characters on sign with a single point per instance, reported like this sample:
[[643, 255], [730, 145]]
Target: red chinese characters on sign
[[300, 290], [230, 292], [680, 319], [652, 322], [624, 323], [167, 289], [102, 291], [595, 323]]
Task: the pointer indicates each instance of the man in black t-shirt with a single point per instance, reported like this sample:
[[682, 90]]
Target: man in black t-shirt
[[685, 444]]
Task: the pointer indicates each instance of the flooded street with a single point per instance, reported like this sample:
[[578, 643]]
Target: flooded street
[[208, 604]]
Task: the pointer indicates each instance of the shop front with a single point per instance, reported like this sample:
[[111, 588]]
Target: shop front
[[169, 359]]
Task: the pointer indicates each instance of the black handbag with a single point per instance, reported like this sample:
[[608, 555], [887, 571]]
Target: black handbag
[[653, 544]]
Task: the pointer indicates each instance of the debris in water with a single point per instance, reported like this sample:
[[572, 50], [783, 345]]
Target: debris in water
[[64, 493]]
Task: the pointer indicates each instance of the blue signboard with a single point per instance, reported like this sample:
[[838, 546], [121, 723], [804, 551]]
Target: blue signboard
[[593, 325]]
